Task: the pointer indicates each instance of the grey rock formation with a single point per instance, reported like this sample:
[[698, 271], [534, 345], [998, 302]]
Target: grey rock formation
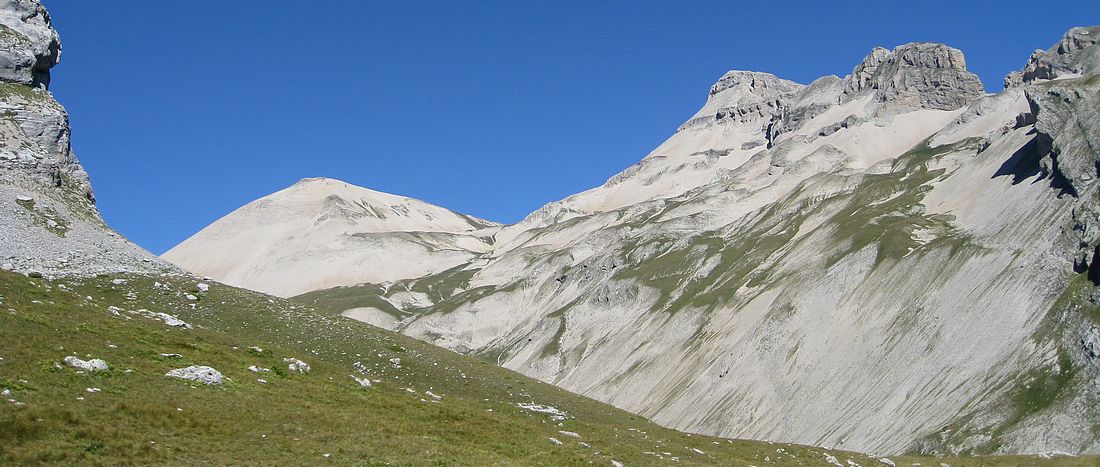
[[296, 366], [201, 374], [48, 219], [1075, 54], [29, 46], [744, 97], [94, 364], [918, 75], [1066, 125]]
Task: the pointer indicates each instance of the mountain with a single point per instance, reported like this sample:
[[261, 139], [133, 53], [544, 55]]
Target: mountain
[[322, 233], [109, 356], [892, 261]]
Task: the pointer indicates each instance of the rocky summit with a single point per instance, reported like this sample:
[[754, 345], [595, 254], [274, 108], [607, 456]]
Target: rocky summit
[[891, 261]]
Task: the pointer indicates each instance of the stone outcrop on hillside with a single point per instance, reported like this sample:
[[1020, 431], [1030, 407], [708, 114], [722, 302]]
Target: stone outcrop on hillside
[[48, 219], [919, 75], [29, 44]]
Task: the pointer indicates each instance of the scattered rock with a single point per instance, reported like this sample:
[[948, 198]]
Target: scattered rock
[[570, 434], [190, 297], [7, 267], [202, 287], [555, 442], [92, 390], [94, 364], [261, 381], [171, 320], [202, 374], [295, 365], [616, 463], [554, 412], [364, 382], [24, 199], [256, 369], [119, 281], [171, 355], [34, 274]]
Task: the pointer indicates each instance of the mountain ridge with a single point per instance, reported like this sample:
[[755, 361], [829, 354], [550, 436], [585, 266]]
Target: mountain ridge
[[813, 263]]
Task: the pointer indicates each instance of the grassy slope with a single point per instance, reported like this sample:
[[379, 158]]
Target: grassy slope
[[142, 417]]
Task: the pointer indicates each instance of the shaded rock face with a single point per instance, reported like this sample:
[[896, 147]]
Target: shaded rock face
[[919, 75], [1066, 125], [1076, 53]]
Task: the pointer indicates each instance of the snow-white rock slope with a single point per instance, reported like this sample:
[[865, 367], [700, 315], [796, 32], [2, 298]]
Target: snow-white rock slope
[[322, 232]]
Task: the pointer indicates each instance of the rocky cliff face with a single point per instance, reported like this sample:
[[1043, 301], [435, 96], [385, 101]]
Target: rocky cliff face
[[889, 261], [1073, 55], [49, 222], [919, 75]]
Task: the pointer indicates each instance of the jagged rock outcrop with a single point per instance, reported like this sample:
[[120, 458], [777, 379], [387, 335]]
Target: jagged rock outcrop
[[29, 46], [48, 219], [744, 97], [1075, 54], [919, 75]]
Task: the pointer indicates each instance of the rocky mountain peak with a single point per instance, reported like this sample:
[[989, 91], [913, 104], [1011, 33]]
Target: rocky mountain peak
[[29, 45], [1075, 54], [743, 97], [917, 75], [753, 82]]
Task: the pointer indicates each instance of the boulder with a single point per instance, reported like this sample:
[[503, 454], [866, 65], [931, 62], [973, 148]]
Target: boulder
[[94, 364], [364, 382], [201, 374], [171, 320], [295, 365]]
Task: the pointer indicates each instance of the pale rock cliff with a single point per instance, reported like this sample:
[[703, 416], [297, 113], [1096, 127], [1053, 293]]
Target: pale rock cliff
[[48, 219]]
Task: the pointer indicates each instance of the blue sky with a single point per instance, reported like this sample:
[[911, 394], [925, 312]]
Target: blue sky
[[184, 111]]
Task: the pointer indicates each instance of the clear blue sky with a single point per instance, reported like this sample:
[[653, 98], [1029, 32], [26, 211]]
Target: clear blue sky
[[185, 110]]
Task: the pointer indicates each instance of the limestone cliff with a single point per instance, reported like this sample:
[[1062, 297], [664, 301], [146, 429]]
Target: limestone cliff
[[49, 222]]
